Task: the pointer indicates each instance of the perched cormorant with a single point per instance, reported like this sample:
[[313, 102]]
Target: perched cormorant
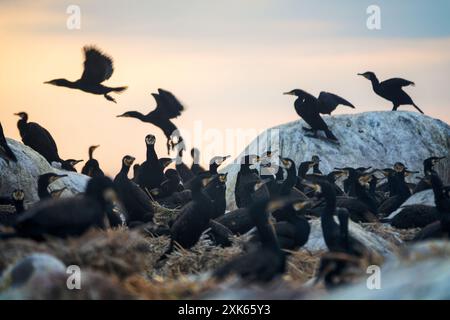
[[265, 262], [40, 140], [183, 170], [245, 180], [215, 190], [193, 218], [307, 107], [196, 168], [92, 168], [392, 90], [69, 216], [5, 151], [167, 107], [428, 169], [98, 67], [401, 194], [215, 163], [150, 174], [44, 181], [170, 185], [70, 164], [316, 161], [135, 200]]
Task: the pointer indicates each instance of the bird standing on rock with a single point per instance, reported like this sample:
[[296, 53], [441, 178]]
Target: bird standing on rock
[[392, 90], [98, 67], [309, 108]]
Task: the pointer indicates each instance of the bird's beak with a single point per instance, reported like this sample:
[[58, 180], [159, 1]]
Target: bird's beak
[[363, 75], [288, 93], [17, 114], [77, 161], [95, 147], [121, 116]]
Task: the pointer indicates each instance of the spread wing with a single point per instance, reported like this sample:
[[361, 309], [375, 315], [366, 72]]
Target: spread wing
[[328, 102], [167, 104], [397, 82], [98, 67]]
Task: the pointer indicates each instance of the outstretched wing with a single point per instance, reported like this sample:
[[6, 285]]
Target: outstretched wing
[[167, 104], [98, 67], [328, 102], [397, 82]]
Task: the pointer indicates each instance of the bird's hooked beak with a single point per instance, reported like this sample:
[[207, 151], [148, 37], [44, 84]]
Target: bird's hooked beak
[[122, 116], [364, 75], [57, 177], [74, 163], [289, 93]]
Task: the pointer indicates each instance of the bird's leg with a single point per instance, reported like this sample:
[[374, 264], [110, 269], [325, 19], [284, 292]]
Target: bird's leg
[[109, 98], [169, 145], [395, 107]]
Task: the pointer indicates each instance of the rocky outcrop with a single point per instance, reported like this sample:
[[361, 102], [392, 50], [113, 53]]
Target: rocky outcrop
[[23, 174], [376, 139]]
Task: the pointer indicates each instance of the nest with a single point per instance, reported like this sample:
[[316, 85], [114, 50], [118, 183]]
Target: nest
[[393, 235], [164, 215]]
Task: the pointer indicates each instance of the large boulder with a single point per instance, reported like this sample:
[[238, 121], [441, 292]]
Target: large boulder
[[24, 174], [376, 139]]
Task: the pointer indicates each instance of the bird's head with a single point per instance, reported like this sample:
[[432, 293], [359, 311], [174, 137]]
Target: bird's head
[[364, 179], [128, 160], [22, 115], [92, 148], [128, 114], [251, 159], [287, 163], [399, 167], [18, 195], [315, 159], [150, 139], [295, 92], [59, 82], [369, 75], [73, 162]]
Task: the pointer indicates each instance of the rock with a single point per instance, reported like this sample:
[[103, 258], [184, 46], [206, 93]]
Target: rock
[[23, 174], [370, 240], [422, 271], [425, 197], [376, 139]]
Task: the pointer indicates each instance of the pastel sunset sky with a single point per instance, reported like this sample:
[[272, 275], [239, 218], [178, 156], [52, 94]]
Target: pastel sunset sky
[[228, 61]]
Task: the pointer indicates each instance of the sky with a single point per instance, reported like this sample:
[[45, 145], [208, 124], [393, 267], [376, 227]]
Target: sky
[[228, 62]]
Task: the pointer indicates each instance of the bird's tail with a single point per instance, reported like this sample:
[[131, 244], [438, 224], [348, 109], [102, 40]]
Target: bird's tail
[[418, 109], [119, 89]]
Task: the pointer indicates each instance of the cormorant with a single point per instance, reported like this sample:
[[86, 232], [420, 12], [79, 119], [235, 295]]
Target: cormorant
[[98, 67], [401, 193], [135, 200], [5, 151], [245, 180], [150, 174], [328, 102], [307, 107], [392, 90], [428, 169], [183, 170], [69, 216], [264, 263], [316, 161], [215, 190], [196, 168], [40, 140], [170, 185], [215, 163], [92, 168], [136, 167], [44, 181], [193, 218], [167, 107], [70, 164]]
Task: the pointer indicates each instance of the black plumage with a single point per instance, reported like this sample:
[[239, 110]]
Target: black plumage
[[309, 108], [245, 181], [98, 67], [150, 174], [264, 263], [216, 190], [167, 108], [92, 167], [392, 90], [69, 216], [428, 169], [196, 168], [5, 151], [135, 200]]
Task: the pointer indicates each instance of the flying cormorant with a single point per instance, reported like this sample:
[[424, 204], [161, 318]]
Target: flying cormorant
[[167, 107], [69, 216], [135, 200], [307, 107], [5, 151], [150, 174], [92, 168], [265, 262], [392, 90], [98, 67]]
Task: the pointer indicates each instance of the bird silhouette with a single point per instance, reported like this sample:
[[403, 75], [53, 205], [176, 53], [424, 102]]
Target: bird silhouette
[[98, 67], [392, 90], [5, 151], [167, 107]]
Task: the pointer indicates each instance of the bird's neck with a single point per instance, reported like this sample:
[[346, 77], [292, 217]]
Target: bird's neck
[[124, 170], [43, 191], [18, 204], [151, 154], [375, 82], [137, 115], [213, 168]]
